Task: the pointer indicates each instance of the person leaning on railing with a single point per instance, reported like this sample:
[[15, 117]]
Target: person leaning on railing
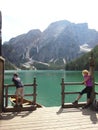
[[19, 89], [88, 89]]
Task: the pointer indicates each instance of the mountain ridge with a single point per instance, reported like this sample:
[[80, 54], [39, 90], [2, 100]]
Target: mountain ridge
[[59, 43]]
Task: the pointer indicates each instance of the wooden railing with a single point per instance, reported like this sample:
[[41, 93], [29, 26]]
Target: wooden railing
[[63, 93], [93, 95], [33, 94]]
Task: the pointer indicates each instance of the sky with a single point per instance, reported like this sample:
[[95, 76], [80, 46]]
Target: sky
[[21, 16]]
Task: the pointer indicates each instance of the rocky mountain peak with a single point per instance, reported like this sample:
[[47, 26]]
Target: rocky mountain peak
[[60, 40]]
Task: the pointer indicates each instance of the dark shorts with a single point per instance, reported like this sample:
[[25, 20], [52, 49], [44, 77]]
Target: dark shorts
[[87, 90]]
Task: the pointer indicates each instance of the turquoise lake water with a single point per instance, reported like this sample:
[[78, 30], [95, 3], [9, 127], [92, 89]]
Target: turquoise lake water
[[48, 81]]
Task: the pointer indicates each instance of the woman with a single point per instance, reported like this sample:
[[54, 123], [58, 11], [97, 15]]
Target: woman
[[19, 89], [88, 88]]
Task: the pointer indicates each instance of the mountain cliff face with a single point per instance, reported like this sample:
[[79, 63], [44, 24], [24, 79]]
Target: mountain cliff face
[[61, 40], [17, 49]]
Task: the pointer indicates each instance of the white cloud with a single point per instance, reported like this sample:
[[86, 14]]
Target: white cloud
[[20, 16]]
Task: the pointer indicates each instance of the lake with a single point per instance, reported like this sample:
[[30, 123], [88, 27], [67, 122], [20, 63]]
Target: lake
[[48, 81]]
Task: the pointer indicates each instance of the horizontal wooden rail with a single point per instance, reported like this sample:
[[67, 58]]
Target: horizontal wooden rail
[[73, 83], [96, 83], [12, 85], [71, 92], [10, 95]]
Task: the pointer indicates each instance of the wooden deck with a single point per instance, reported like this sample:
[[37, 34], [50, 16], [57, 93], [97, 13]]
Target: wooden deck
[[50, 118]]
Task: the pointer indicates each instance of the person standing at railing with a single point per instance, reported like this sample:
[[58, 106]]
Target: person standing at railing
[[88, 89], [19, 89]]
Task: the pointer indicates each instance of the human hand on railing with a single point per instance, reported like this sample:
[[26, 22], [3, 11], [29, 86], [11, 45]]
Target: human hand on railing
[[83, 82]]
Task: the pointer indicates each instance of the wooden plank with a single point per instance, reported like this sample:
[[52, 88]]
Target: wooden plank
[[51, 118], [70, 105]]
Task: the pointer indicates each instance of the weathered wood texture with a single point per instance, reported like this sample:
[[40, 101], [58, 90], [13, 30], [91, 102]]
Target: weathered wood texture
[[51, 118]]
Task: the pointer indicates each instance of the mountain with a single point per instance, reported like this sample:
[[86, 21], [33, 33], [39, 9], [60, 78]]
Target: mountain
[[10, 66], [18, 48], [83, 61], [60, 43]]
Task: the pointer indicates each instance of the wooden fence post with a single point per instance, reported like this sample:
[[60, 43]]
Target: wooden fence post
[[91, 69], [34, 85], [1, 70], [6, 95], [0, 34], [62, 92]]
